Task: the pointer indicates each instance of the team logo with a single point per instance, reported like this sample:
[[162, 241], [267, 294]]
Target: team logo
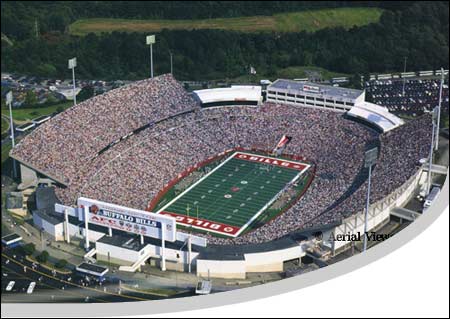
[[93, 209], [121, 223]]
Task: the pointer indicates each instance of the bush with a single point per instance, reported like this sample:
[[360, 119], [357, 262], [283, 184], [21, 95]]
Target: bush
[[61, 263], [29, 249], [43, 257]]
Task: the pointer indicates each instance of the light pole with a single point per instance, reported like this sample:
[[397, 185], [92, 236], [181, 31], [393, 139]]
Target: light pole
[[430, 159], [404, 79], [9, 97], [438, 119], [72, 65], [370, 159], [150, 39], [171, 62]]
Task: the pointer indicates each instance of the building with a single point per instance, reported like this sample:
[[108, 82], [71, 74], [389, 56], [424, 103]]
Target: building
[[308, 94]]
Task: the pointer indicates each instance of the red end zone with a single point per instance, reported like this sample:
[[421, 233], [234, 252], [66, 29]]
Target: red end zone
[[270, 160], [204, 224]]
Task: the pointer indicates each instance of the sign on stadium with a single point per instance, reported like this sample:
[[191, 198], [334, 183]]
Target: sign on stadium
[[310, 88], [129, 219]]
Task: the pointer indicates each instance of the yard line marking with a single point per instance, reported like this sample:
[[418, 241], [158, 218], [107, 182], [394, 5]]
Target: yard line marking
[[195, 184]]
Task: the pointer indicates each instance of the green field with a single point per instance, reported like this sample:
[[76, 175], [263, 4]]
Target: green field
[[232, 196], [310, 21], [22, 115], [6, 147], [5, 125]]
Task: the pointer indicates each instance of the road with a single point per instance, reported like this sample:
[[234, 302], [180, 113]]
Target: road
[[55, 287]]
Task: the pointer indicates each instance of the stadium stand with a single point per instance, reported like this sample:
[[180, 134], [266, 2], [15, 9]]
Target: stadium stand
[[61, 146], [421, 95], [131, 171]]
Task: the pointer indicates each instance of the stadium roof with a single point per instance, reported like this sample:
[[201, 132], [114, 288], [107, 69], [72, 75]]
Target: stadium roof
[[310, 87], [237, 93], [376, 115]]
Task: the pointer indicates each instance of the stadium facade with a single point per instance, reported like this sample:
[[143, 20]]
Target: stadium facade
[[125, 146]]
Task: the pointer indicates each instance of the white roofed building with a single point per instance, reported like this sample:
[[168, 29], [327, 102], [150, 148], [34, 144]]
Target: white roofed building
[[234, 95], [309, 94]]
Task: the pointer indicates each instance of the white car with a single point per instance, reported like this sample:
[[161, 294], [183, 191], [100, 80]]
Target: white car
[[10, 285], [31, 287]]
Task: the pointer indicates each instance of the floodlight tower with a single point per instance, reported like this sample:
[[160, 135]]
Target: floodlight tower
[[171, 62], [72, 65], [430, 159], [404, 79], [438, 115], [150, 39]]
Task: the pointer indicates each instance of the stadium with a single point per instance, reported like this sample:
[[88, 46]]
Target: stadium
[[255, 180]]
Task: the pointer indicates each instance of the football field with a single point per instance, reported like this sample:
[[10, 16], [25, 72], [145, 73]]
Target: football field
[[234, 194]]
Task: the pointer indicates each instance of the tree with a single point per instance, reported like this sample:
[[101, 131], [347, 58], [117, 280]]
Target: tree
[[43, 257], [47, 70], [86, 93], [30, 98], [29, 249], [61, 263]]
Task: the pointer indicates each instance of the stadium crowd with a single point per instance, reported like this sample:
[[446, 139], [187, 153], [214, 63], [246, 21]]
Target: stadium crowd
[[421, 95], [64, 144], [134, 170]]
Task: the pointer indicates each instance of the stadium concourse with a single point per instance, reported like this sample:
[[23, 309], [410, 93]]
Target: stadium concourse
[[126, 145]]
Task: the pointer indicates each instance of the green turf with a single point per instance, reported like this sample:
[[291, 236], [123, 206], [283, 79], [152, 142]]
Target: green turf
[[209, 194], [5, 125], [22, 115], [308, 20]]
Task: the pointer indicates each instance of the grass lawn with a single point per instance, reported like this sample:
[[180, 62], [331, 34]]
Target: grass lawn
[[311, 20], [6, 147], [5, 124], [22, 115]]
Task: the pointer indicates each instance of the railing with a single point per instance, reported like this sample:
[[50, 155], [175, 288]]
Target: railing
[[357, 220]]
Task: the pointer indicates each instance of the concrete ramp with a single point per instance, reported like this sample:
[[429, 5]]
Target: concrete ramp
[[137, 264], [438, 169], [404, 213], [89, 256]]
